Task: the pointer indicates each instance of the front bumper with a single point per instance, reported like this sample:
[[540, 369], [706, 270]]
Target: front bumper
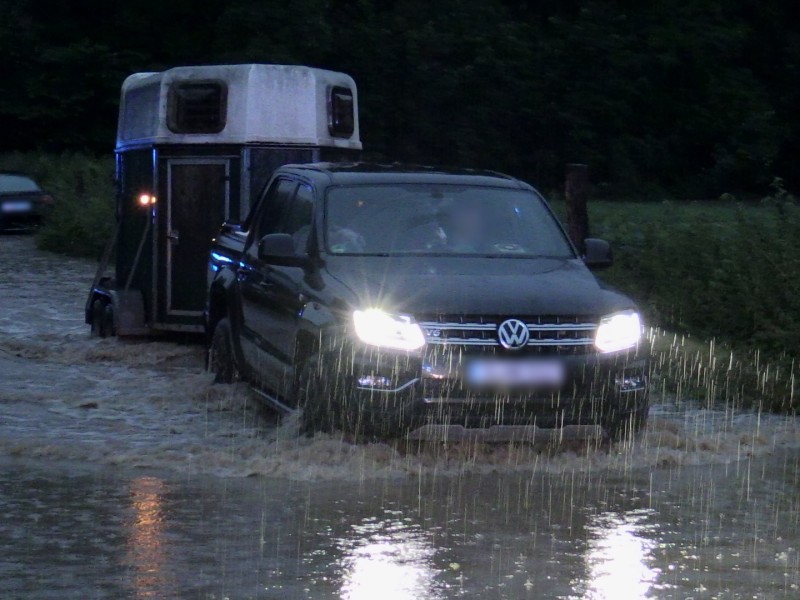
[[528, 434], [431, 391]]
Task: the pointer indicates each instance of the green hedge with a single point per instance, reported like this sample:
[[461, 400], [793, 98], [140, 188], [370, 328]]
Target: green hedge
[[83, 187], [721, 271], [715, 270]]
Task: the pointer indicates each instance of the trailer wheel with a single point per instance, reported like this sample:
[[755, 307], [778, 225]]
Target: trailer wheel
[[98, 314], [108, 329], [221, 360]]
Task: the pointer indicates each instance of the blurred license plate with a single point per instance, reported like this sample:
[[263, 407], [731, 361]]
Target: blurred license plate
[[16, 206], [515, 372]]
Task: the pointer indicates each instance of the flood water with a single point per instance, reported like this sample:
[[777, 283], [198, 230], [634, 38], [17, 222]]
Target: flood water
[[124, 473]]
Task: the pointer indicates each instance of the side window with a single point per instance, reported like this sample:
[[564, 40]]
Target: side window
[[298, 218], [197, 107], [341, 112], [274, 206]]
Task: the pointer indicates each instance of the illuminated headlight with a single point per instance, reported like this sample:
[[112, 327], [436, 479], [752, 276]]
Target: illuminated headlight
[[378, 328], [619, 331]]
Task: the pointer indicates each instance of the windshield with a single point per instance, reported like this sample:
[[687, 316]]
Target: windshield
[[424, 219], [17, 184]]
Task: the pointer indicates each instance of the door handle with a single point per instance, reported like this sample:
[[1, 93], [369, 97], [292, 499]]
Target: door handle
[[174, 236]]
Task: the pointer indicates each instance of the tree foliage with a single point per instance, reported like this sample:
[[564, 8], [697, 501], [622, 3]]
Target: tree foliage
[[683, 98]]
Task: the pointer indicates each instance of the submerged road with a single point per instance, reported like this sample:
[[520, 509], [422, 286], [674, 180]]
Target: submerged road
[[125, 473]]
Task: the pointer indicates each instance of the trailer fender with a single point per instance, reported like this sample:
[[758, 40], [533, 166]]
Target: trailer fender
[[129, 313], [100, 291]]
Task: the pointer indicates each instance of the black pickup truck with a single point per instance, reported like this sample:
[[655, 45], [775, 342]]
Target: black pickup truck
[[408, 301]]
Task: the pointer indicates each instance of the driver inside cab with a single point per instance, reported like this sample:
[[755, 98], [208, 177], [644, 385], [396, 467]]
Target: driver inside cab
[[462, 229]]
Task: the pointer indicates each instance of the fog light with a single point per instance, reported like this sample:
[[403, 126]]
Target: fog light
[[375, 382], [435, 372], [630, 383]]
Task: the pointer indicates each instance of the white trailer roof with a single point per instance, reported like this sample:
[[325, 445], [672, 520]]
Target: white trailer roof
[[277, 104]]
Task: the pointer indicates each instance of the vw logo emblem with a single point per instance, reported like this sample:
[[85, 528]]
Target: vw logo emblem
[[513, 334]]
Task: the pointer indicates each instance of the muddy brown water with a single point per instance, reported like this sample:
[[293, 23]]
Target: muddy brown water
[[125, 473]]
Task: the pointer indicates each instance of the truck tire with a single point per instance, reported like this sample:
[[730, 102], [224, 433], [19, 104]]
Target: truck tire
[[313, 399], [221, 360]]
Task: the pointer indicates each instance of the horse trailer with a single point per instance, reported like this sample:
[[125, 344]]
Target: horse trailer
[[194, 146]]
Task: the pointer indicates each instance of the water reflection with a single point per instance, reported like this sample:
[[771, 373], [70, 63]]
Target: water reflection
[[146, 552], [390, 560], [619, 557]]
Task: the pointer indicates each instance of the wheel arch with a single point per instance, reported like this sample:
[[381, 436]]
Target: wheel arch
[[217, 307], [318, 328], [222, 302]]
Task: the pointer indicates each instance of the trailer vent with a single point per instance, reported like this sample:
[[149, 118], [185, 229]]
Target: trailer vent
[[197, 107], [341, 112]]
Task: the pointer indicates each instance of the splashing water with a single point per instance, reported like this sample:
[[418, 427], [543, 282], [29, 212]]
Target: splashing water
[[702, 504], [149, 403]]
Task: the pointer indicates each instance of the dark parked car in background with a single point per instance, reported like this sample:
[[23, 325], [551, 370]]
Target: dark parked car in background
[[23, 204], [439, 304]]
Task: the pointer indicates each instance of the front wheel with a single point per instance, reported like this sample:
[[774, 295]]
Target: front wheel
[[221, 360], [313, 398]]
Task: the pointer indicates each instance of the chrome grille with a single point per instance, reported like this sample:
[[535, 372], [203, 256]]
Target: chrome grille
[[545, 332]]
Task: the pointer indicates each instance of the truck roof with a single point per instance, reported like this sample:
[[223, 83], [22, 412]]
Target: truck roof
[[366, 173], [239, 104]]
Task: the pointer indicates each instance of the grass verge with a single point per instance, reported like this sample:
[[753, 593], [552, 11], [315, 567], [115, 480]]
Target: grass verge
[[711, 374]]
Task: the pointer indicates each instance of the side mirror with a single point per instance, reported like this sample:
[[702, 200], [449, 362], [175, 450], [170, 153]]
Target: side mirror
[[278, 248], [598, 253]]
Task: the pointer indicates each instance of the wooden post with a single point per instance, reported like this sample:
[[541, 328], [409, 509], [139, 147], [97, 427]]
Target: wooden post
[[576, 191]]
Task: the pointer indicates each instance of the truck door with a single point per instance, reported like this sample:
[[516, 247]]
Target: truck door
[[197, 202], [287, 286], [271, 294]]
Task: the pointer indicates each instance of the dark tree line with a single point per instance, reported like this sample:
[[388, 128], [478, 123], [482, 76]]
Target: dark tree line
[[681, 97]]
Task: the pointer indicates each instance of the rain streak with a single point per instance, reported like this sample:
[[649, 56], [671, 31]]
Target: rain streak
[[161, 460]]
